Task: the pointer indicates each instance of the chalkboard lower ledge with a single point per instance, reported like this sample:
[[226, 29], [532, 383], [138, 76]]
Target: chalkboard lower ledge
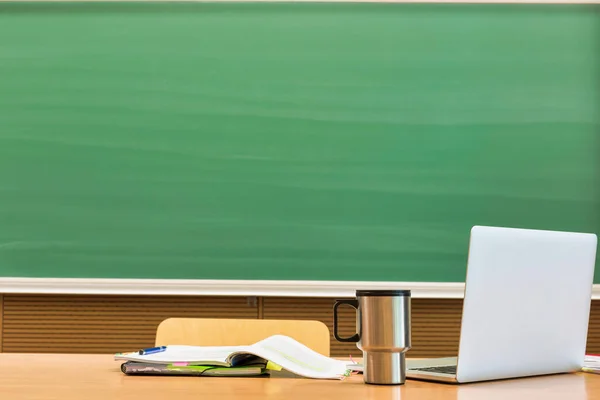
[[192, 287], [220, 287]]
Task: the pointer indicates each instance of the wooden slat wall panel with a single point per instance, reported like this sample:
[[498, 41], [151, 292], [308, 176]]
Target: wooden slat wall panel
[[102, 324], [435, 327], [435, 323], [315, 309], [1, 319], [109, 324], [593, 341]]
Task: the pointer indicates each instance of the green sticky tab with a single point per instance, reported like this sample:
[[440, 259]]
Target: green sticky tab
[[273, 366]]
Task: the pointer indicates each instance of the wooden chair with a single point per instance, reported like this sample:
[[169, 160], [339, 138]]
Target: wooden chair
[[236, 332]]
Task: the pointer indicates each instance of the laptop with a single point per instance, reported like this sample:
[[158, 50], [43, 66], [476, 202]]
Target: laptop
[[526, 307]]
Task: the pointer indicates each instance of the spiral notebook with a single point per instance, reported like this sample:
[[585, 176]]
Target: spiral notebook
[[183, 369]]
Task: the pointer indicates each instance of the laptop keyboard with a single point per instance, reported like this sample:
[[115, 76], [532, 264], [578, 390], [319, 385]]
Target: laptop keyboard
[[444, 369]]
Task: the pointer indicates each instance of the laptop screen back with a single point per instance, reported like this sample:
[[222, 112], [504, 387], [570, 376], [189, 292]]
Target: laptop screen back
[[527, 303]]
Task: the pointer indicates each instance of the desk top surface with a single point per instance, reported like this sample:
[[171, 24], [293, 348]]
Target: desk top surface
[[80, 376]]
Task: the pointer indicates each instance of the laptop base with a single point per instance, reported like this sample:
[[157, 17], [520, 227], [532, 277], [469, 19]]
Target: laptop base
[[433, 369]]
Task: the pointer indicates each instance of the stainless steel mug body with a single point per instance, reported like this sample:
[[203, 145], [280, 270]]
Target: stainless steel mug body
[[383, 333]]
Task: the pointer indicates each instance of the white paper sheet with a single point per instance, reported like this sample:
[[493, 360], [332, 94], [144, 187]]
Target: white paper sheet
[[299, 359], [202, 355], [281, 350]]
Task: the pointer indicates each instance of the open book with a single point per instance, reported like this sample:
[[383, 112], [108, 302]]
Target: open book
[[275, 352]]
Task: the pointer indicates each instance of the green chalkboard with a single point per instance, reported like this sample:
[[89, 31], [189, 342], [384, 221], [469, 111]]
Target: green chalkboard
[[290, 141]]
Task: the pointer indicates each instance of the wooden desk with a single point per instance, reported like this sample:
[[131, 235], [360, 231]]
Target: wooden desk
[[90, 377]]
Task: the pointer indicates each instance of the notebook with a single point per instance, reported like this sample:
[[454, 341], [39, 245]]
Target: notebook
[[183, 369], [271, 354]]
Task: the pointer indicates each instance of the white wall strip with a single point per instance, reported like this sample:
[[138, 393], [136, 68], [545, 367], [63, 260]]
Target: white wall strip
[[348, 1], [429, 290], [355, 1], [221, 287]]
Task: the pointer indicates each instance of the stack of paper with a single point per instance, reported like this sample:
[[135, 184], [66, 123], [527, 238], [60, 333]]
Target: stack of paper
[[591, 363], [274, 353]]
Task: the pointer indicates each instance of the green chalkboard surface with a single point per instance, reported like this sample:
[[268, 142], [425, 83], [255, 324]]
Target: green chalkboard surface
[[290, 141]]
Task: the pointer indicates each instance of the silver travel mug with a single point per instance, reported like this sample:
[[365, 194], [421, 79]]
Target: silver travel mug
[[383, 333]]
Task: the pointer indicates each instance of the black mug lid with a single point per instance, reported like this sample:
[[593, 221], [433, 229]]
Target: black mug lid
[[382, 293]]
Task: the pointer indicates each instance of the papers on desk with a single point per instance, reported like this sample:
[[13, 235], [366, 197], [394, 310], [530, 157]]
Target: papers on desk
[[591, 363], [355, 367], [274, 353]]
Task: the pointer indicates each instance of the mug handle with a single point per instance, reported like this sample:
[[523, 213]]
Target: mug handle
[[354, 304]]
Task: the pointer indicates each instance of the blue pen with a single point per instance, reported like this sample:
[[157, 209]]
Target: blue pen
[[152, 350]]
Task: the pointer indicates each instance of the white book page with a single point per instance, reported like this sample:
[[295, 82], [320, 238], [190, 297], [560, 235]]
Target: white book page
[[592, 362], [299, 359], [205, 355]]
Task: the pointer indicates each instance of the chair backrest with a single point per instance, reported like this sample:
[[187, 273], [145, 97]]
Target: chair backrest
[[237, 332]]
